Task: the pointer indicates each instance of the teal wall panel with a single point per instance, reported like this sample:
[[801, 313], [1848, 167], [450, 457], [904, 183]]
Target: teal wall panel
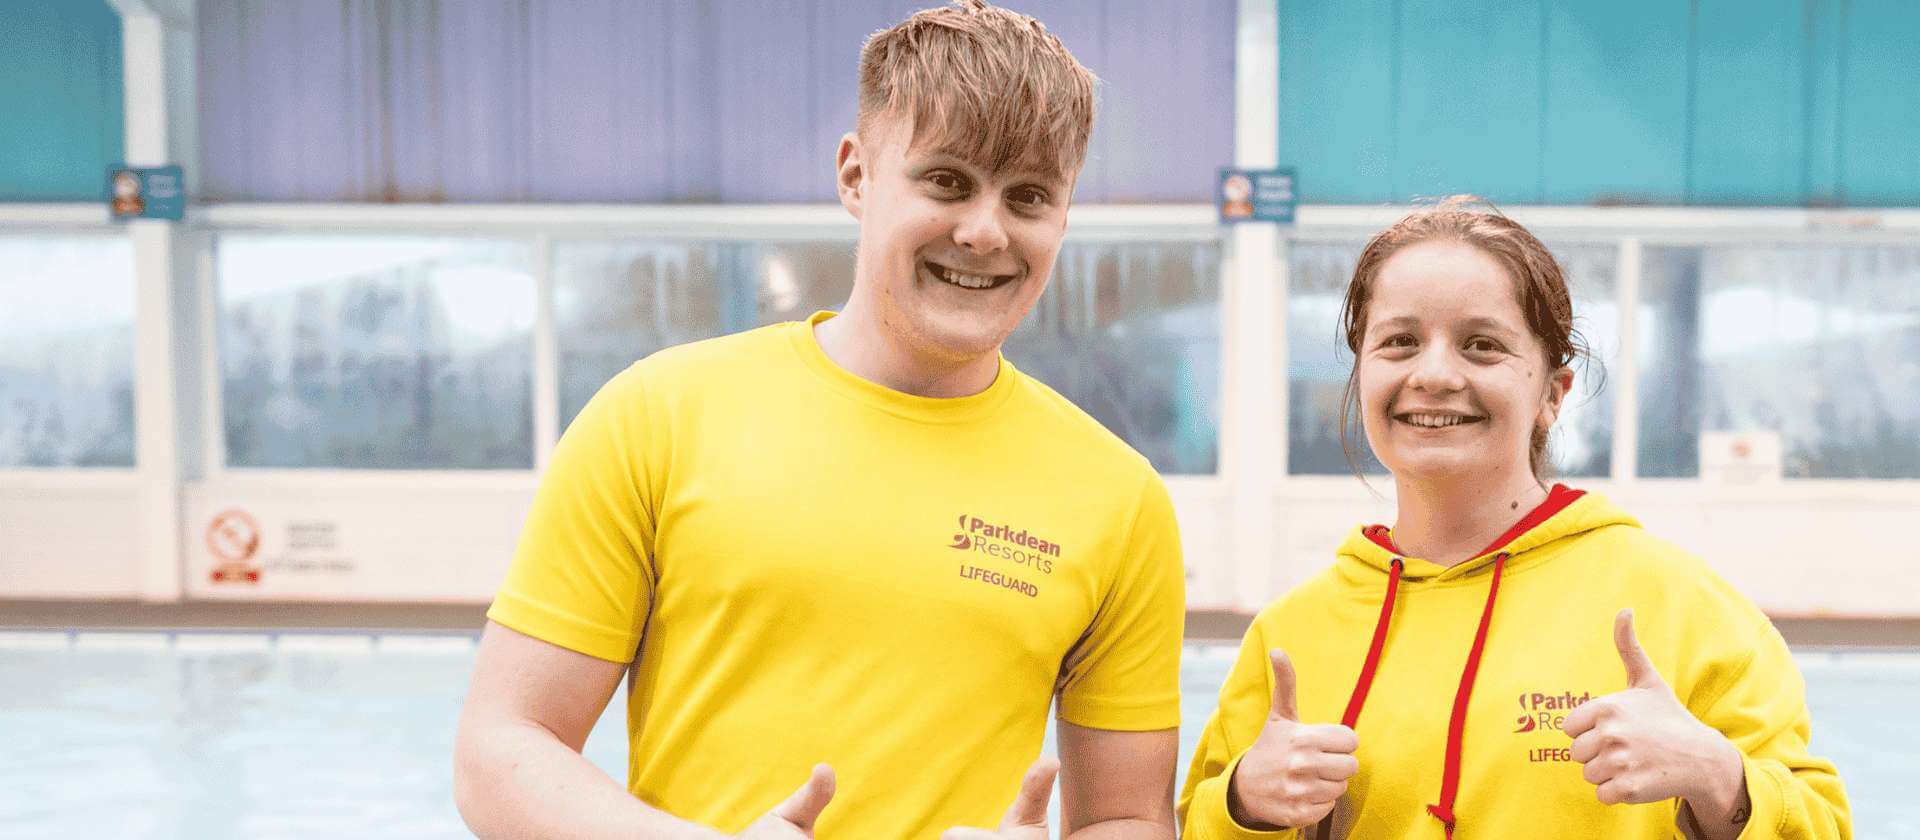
[[60, 94], [1880, 105], [1704, 102], [1615, 103], [1467, 119], [1748, 139], [1336, 114], [1826, 54]]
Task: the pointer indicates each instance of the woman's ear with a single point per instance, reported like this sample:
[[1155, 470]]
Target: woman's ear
[[1558, 384]]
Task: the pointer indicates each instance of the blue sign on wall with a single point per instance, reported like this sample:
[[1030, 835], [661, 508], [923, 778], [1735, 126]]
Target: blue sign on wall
[[1256, 195], [158, 192]]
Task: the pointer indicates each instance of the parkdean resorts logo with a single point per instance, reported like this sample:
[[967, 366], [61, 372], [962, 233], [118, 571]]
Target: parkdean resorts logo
[[1005, 542], [1543, 712], [1547, 711]]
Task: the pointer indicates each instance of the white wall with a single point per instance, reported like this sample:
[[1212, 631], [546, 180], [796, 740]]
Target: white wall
[[359, 538], [69, 535], [1816, 549], [1803, 549]]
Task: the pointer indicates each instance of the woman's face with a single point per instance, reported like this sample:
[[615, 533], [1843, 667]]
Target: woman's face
[[1452, 382]]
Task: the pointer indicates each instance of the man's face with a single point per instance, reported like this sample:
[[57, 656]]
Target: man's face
[[951, 257]]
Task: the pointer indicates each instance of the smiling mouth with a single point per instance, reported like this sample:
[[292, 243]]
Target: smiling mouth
[[975, 282], [1427, 420]]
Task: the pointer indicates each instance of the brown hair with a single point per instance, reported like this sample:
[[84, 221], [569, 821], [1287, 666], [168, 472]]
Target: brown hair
[[1539, 286], [994, 85]]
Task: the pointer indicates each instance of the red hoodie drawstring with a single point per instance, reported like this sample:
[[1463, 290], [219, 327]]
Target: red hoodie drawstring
[[1365, 683], [1456, 728]]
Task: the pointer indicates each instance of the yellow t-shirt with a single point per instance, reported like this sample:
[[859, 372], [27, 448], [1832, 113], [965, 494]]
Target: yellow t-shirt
[[804, 566]]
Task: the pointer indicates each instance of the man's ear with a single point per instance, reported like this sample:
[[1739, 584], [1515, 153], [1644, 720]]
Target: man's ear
[[850, 172]]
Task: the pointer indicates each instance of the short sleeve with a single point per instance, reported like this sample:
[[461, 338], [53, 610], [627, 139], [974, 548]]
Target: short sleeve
[[582, 576], [1125, 675]]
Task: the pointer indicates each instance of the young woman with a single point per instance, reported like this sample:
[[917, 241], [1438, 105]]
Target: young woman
[[1509, 659]]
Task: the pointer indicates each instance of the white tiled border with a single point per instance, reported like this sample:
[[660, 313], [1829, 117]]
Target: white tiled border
[[35, 640], [462, 644], [91, 640], [1837, 659], [211, 641]]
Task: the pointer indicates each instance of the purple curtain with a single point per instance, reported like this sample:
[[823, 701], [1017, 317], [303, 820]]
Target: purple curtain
[[736, 101]]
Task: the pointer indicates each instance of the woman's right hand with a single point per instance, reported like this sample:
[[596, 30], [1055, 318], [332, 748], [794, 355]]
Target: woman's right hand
[[1294, 772]]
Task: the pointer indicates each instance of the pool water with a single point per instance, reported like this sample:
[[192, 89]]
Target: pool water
[[209, 736]]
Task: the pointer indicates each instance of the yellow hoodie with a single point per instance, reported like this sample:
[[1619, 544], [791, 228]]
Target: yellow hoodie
[[1563, 573]]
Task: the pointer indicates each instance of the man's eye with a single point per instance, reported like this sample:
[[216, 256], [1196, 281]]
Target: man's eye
[[947, 181], [1029, 198]]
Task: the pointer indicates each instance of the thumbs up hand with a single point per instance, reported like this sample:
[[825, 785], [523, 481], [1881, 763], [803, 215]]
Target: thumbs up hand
[[1294, 772], [1642, 745], [1026, 818], [795, 817]]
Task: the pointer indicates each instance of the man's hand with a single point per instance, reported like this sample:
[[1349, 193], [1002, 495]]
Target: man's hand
[[1642, 745], [1294, 772], [796, 816], [1026, 818]]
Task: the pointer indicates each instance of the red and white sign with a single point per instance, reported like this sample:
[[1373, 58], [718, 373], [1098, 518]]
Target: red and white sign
[[233, 537], [1740, 457]]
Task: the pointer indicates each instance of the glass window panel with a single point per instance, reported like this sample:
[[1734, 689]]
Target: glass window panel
[[617, 302], [379, 352], [1130, 332], [1820, 343], [1318, 361], [1582, 440], [66, 353]]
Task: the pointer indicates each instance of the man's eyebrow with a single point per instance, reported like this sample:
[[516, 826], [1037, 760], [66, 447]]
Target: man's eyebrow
[[1029, 170]]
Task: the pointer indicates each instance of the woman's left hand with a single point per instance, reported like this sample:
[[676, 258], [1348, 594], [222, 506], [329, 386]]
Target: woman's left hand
[[1642, 745]]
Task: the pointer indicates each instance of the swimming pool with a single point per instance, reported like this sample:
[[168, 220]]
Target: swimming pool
[[233, 735]]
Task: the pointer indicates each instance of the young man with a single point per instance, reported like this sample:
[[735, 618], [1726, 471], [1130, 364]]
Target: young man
[[850, 562]]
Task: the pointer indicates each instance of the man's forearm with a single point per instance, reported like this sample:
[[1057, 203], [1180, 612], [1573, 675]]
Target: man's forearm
[[521, 781], [1125, 829]]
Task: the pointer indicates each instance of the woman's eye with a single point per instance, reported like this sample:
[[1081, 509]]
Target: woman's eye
[[1484, 345], [1402, 340]]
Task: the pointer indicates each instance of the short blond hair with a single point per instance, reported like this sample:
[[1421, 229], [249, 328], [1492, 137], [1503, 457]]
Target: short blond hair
[[992, 86]]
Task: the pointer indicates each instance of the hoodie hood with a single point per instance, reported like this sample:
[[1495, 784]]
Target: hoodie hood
[[1565, 513]]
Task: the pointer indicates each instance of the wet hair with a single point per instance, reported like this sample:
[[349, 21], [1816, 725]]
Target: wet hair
[[1538, 285], [991, 86]]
